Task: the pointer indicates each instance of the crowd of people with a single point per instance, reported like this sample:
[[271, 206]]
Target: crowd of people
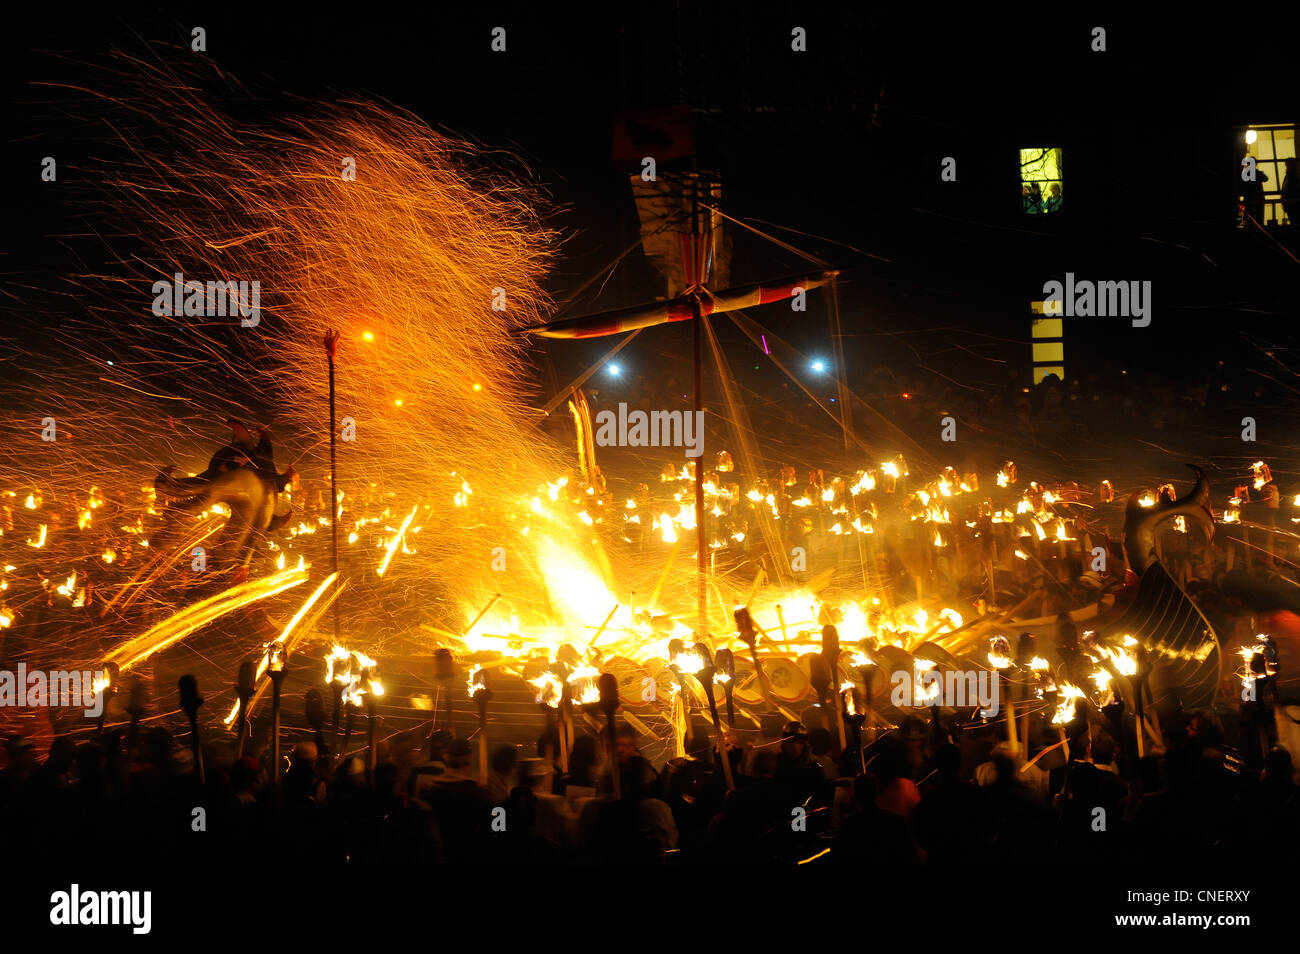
[[917, 793], [920, 792]]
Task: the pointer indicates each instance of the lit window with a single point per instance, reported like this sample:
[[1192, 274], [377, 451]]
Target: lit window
[[1040, 180], [1273, 149], [1048, 345]]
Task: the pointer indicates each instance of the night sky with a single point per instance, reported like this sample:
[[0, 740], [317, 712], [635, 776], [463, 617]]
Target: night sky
[[842, 143]]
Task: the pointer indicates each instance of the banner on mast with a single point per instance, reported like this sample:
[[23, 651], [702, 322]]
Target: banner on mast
[[664, 207]]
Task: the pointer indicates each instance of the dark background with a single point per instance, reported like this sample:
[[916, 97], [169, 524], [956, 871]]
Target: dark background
[[836, 150]]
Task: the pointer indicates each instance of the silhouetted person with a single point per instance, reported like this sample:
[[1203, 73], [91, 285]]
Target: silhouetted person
[[461, 808], [953, 823], [798, 777], [871, 835], [501, 777], [1022, 821], [1092, 805], [519, 844]]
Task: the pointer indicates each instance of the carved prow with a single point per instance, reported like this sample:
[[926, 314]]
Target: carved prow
[[1140, 522]]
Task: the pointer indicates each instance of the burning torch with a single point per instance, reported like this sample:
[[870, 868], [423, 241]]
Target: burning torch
[[135, 707], [190, 702], [745, 626], [444, 671], [112, 675], [277, 667], [676, 649], [482, 695], [551, 687], [1025, 647], [866, 666], [566, 661], [337, 679], [705, 676], [331, 352], [608, 686], [854, 715], [726, 674], [831, 654], [244, 689], [1000, 659]]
